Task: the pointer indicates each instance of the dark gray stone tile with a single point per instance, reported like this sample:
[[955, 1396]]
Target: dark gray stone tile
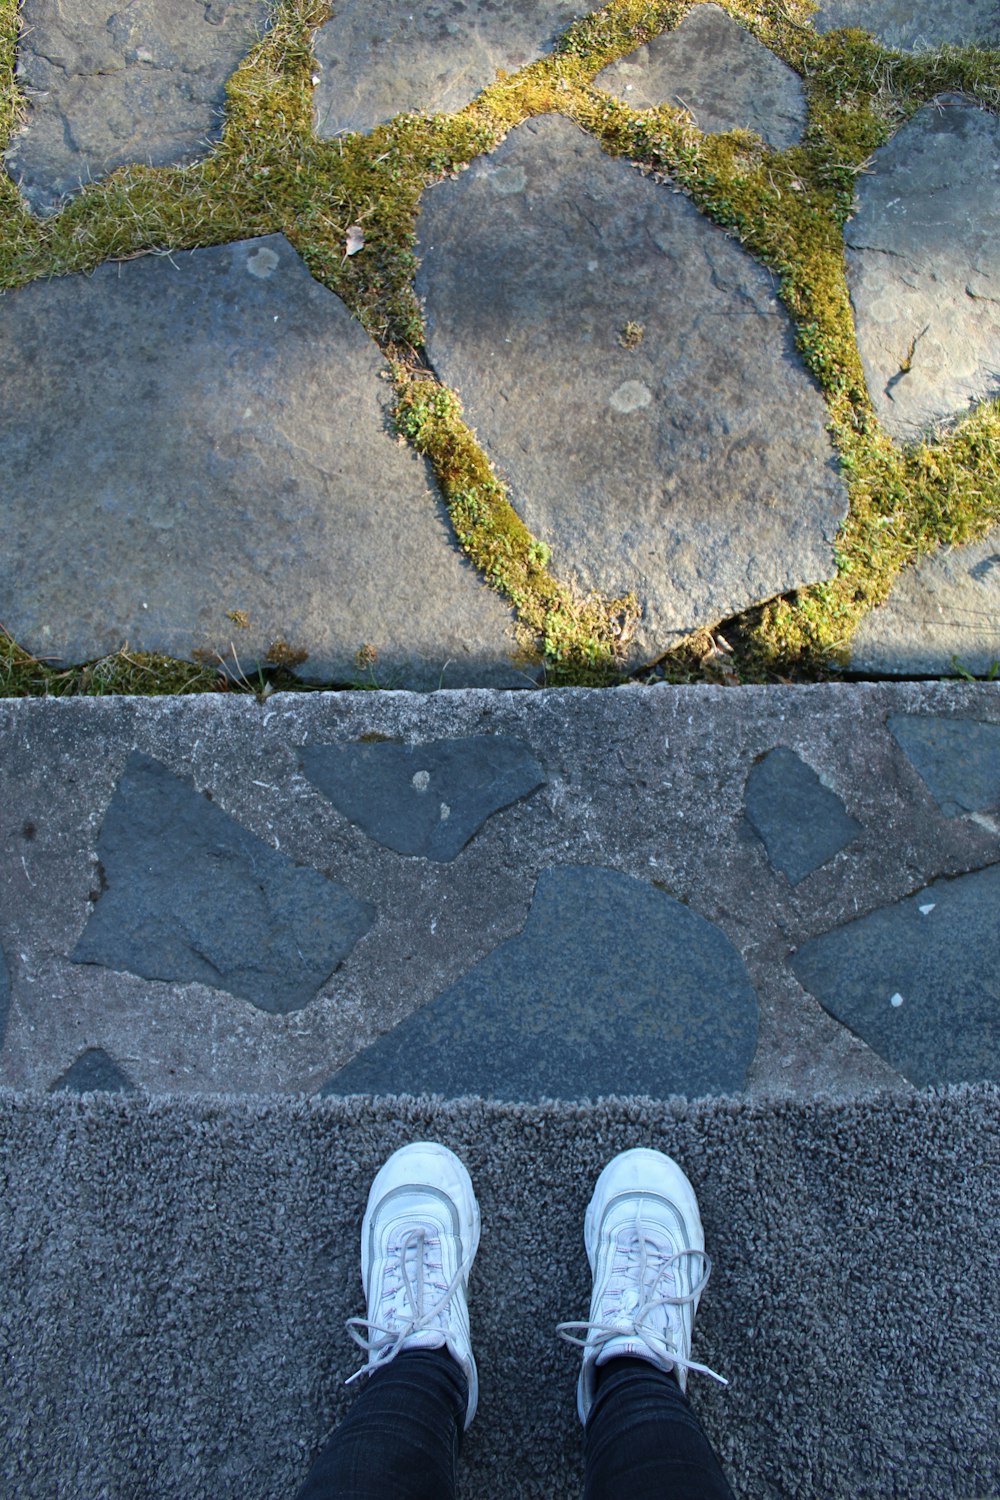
[[694, 467], [424, 799], [915, 25], [801, 822], [611, 987], [943, 611], [188, 894], [958, 758], [110, 84], [4, 995], [919, 981], [719, 72], [94, 1071], [380, 58], [214, 432], [923, 267]]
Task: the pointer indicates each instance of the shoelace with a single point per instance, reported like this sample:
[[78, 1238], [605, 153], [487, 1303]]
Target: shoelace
[[653, 1269], [384, 1341]]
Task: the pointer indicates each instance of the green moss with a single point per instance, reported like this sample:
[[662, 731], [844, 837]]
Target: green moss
[[578, 640], [270, 174]]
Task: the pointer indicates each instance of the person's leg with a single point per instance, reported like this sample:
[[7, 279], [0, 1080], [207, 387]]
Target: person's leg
[[646, 1248], [402, 1436], [645, 1442], [418, 1240]]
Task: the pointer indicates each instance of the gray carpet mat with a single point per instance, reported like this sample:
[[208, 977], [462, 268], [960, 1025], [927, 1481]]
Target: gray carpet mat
[[176, 1273]]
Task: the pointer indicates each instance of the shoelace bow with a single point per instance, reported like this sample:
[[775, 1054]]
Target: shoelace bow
[[384, 1341], [652, 1271]]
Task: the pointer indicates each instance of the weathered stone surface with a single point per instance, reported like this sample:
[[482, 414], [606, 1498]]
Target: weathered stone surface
[[94, 1070], [944, 611], [915, 25], [958, 758], [923, 266], [212, 431], [110, 84], [694, 468], [380, 58], [612, 987], [189, 895], [802, 823], [919, 981], [4, 995], [427, 799], [717, 71]]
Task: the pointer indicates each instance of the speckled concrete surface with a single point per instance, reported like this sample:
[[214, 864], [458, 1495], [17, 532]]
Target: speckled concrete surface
[[645, 784]]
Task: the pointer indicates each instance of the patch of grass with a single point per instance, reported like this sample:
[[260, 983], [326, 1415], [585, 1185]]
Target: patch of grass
[[23, 675], [577, 640], [270, 174]]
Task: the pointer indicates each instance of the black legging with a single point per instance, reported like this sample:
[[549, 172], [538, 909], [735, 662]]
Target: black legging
[[401, 1438]]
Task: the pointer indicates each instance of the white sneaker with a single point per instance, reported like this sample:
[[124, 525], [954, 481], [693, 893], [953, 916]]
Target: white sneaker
[[419, 1238], [646, 1248]]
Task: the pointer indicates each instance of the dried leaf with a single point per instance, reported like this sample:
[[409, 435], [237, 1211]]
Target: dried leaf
[[355, 240]]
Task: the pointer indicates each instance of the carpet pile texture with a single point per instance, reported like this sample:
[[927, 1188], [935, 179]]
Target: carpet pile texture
[[176, 1273]]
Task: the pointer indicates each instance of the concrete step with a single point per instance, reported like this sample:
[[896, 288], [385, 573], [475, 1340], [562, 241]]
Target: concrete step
[[561, 894]]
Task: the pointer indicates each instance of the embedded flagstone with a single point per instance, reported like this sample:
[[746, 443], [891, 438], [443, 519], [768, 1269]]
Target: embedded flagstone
[[109, 84], [915, 25], [187, 894], [427, 799], [943, 614], [923, 267], [919, 980], [719, 72], [802, 823], [958, 758], [380, 58], [612, 987], [686, 459], [214, 432], [93, 1070], [644, 785]]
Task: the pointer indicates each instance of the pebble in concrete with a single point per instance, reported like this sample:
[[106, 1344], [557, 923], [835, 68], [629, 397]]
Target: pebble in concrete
[[919, 981], [717, 71], [94, 1071], [189, 895], [801, 822], [110, 84], [214, 432], [942, 613], [380, 58], [959, 759], [611, 987], [692, 466], [915, 25], [427, 799], [4, 995], [923, 264]]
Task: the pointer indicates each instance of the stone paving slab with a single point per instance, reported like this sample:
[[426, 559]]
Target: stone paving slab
[[111, 84], [532, 264], [923, 267], [915, 25], [214, 431], [720, 73], [638, 839], [944, 611], [380, 58]]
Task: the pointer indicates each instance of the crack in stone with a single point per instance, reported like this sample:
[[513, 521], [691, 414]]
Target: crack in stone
[[905, 365]]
